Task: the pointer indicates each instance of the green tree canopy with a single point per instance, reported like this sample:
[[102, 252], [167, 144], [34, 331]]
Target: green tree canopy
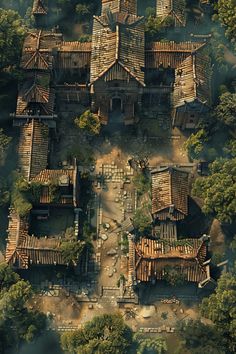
[[89, 122], [199, 338], [226, 109], [220, 308], [227, 16], [106, 334], [72, 250], [4, 141], [218, 190], [142, 183], [195, 144], [142, 221], [7, 276], [156, 345], [18, 324], [12, 34]]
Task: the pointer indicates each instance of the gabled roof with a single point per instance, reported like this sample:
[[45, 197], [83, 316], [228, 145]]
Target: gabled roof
[[169, 54], [33, 148], [174, 9], [35, 96], [73, 55], [193, 80], [61, 178], [24, 250], [118, 43], [169, 193], [153, 259], [37, 49], [39, 7], [128, 6]]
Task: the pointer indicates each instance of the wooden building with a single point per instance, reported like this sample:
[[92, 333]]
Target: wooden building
[[192, 90], [33, 148], [172, 9], [39, 11], [153, 260], [65, 185], [169, 194], [117, 66], [23, 250], [128, 6], [117, 71]]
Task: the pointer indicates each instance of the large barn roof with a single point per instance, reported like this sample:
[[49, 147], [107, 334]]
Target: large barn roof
[[169, 193], [118, 40]]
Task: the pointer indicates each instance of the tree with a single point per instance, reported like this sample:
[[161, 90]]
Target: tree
[[227, 16], [4, 192], [154, 25], [142, 183], [226, 109], [20, 195], [220, 309], [89, 122], [142, 221], [11, 37], [72, 250], [218, 190], [18, 324], [106, 334], [4, 141], [82, 11], [174, 276], [156, 345], [195, 144], [7, 276], [200, 338]]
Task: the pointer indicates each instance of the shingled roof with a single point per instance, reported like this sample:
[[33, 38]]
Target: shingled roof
[[129, 6], [33, 148], [193, 80], [63, 178], [72, 55], [118, 48], [39, 7], [169, 54], [151, 260], [35, 97], [24, 250], [37, 49], [169, 193], [172, 8]]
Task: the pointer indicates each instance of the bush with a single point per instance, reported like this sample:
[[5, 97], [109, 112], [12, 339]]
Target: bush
[[89, 122]]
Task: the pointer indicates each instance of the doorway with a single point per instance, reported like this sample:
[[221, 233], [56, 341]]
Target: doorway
[[116, 105]]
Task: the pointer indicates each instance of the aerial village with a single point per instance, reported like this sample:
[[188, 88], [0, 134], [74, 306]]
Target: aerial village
[[111, 223]]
